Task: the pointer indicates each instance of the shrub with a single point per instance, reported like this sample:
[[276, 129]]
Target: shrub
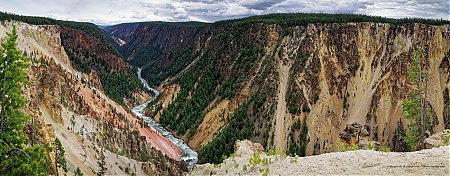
[[370, 146]]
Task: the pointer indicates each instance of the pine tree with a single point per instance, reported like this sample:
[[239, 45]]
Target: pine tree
[[72, 122], [101, 162], [60, 160], [78, 172], [304, 138], [415, 107], [15, 158]]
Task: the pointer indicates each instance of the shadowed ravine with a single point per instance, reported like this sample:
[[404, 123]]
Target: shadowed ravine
[[188, 155]]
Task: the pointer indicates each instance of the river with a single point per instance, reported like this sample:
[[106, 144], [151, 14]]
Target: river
[[188, 155]]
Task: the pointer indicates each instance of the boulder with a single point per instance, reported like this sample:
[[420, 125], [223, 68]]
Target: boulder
[[203, 169], [350, 131], [363, 144], [438, 139], [247, 147], [345, 135], [364, 132]]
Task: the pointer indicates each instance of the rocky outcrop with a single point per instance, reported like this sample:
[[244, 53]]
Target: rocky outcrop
[[247, 147], [130, 143], [438, 139], [353, 132]]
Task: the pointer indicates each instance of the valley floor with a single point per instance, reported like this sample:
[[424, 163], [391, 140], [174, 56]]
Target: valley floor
[[361, 162]]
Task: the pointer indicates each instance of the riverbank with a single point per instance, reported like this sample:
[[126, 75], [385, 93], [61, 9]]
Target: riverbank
[[162, 138]]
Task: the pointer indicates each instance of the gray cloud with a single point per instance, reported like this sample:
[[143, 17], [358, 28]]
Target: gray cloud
[[323, 6], [120, 11], [259, 4], [411, 8]]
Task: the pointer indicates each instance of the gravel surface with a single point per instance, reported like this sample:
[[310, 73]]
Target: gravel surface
[[361, 162]]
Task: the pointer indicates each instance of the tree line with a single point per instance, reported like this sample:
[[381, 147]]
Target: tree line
[[303, 19], [88, 28]]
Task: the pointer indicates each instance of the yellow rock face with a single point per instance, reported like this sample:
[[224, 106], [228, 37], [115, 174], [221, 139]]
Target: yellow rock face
[[358, 71]]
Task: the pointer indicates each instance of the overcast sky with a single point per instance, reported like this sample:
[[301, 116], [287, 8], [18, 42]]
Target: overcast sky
[[119, 11]]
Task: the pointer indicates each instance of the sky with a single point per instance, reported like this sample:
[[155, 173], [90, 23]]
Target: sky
[[107, 12]]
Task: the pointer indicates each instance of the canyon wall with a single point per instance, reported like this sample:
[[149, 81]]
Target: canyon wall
[[70, 105], [329, 75]]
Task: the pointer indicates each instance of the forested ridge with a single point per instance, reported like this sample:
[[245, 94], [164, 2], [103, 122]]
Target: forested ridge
[[219, 74], [162, 49], [89, 49], [87, 53], [88, 28], [159, 65]]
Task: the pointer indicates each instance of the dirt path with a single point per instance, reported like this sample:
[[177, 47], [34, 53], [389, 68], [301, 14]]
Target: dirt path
[[280, 112]]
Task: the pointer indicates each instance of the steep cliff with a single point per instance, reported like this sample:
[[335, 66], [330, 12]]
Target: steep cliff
[[296, 84], [162, 49], [71, 105]]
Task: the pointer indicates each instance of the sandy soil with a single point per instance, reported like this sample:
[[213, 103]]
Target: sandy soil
[[362, 103]]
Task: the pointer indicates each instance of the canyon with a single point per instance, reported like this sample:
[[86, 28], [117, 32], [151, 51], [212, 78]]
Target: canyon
[[161, 98], [71, 105], [328, 75]]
